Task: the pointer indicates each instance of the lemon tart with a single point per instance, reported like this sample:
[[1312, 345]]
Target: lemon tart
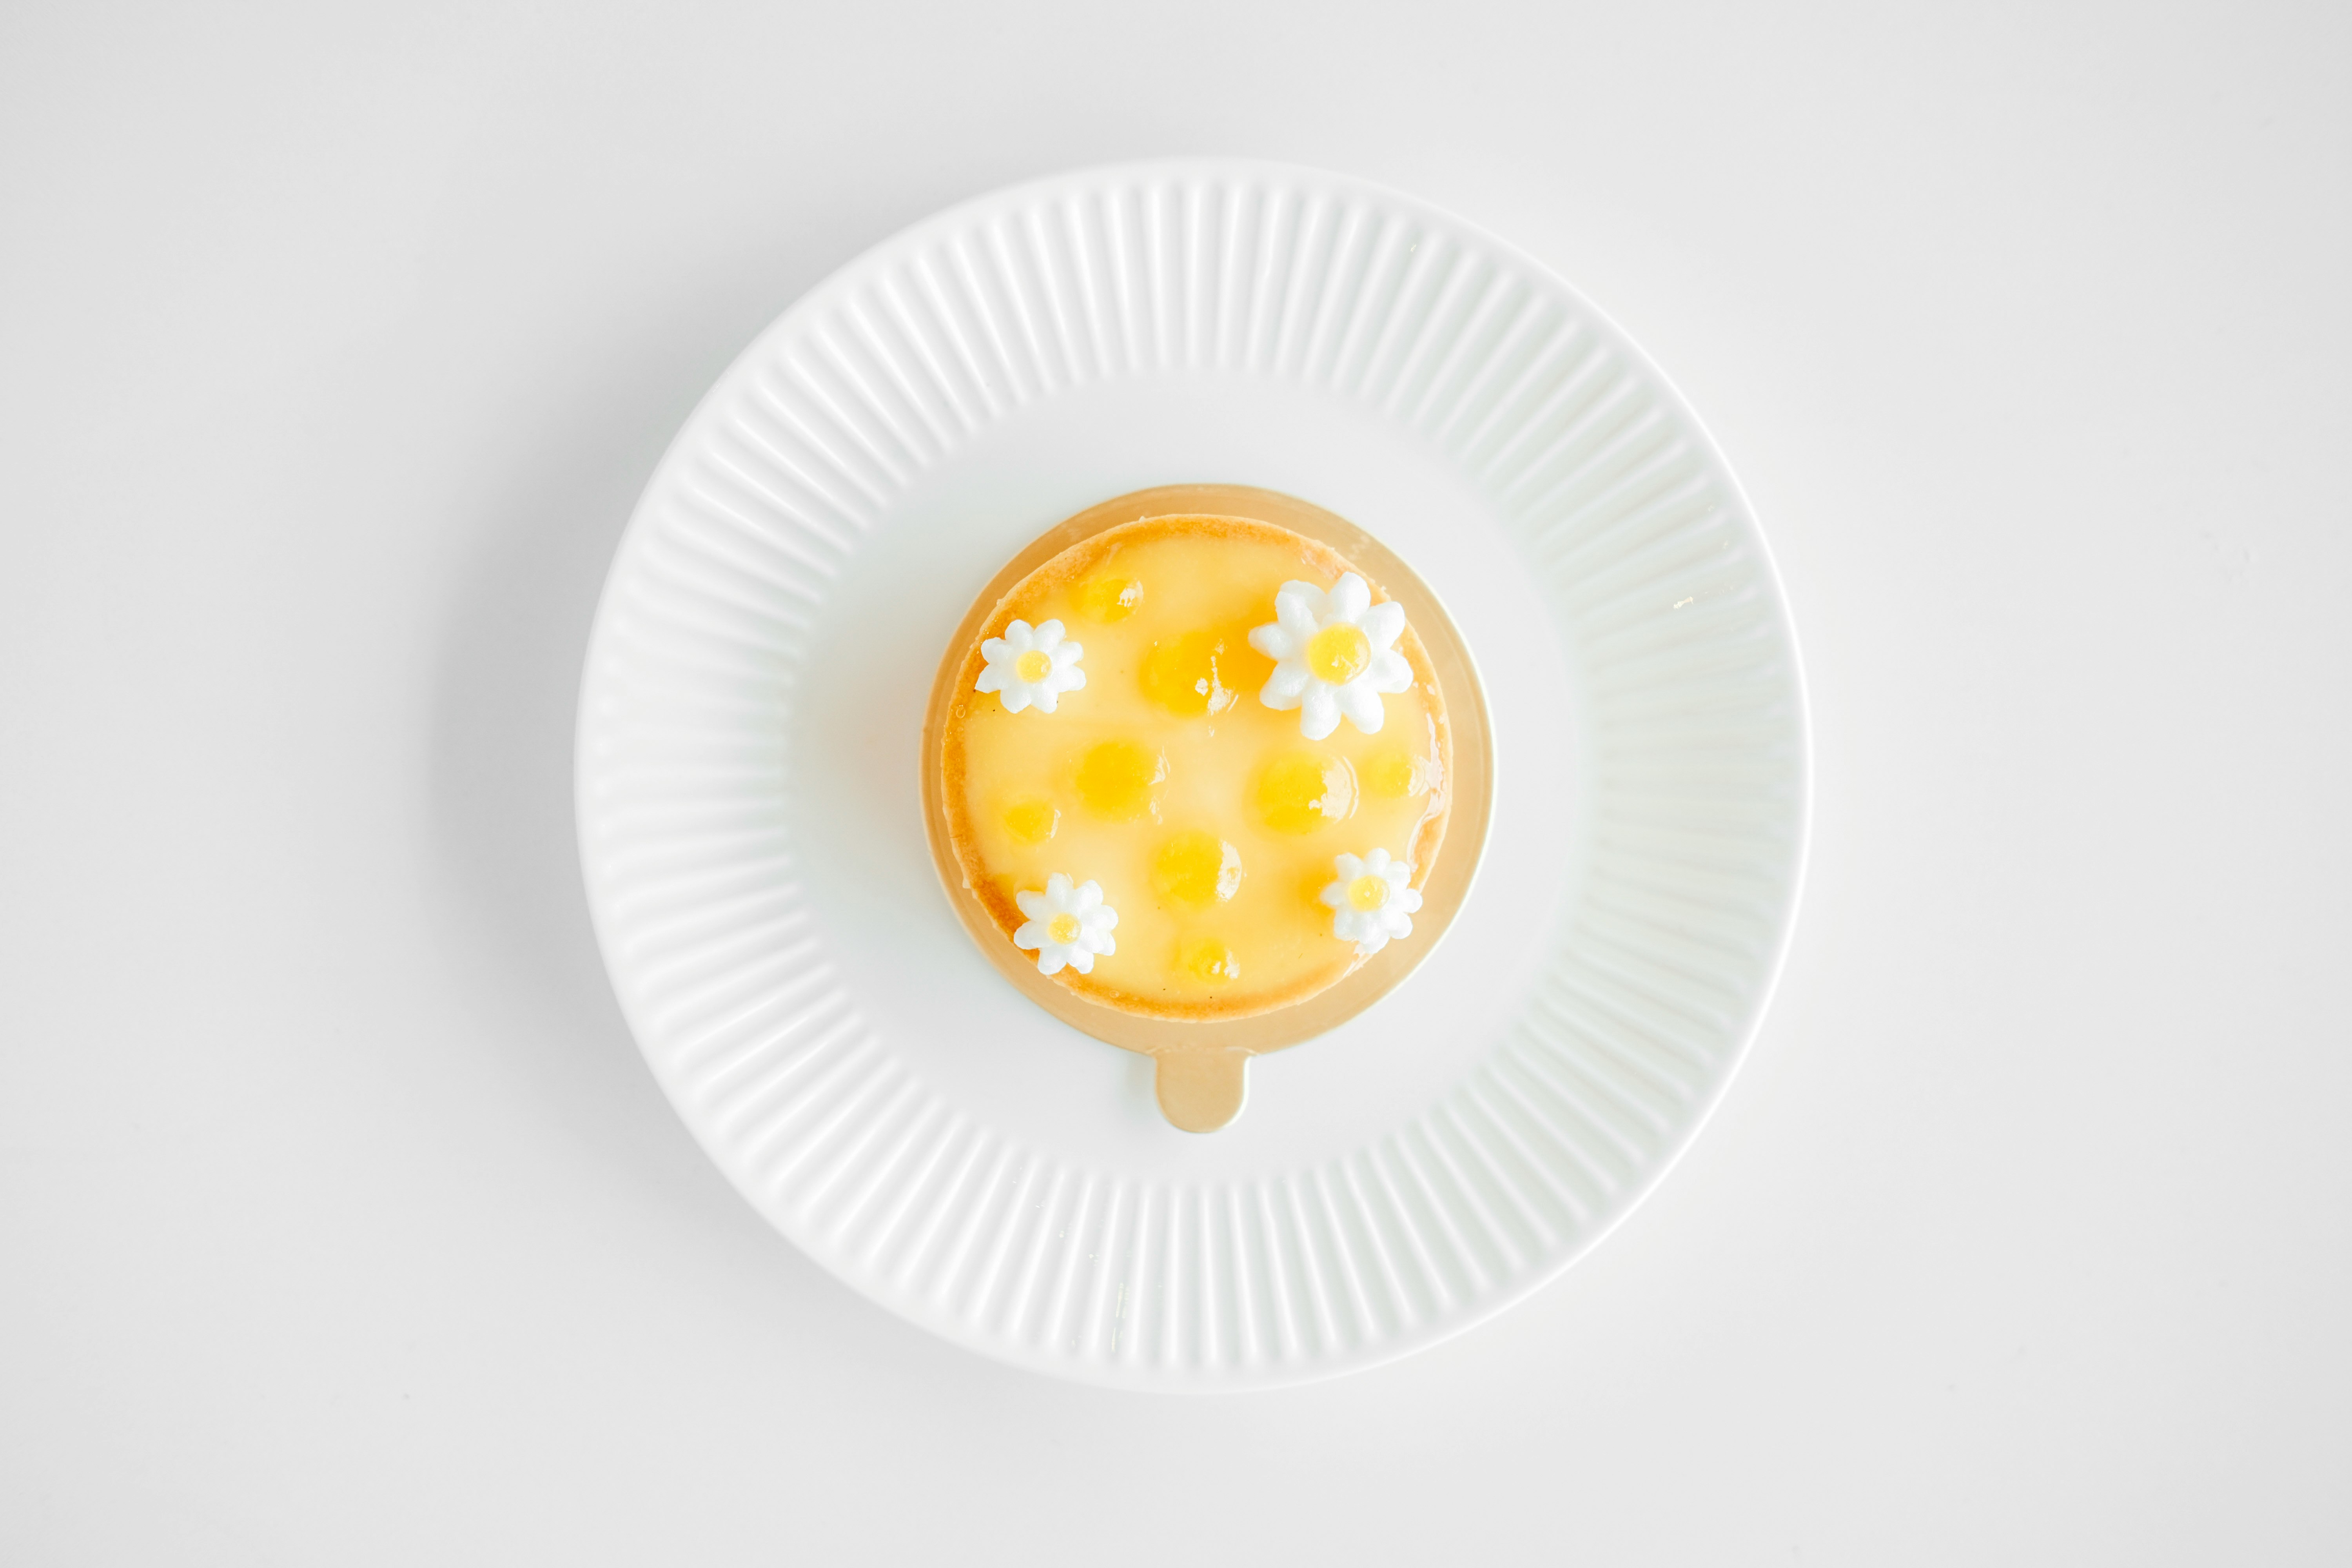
[[1196, 767]]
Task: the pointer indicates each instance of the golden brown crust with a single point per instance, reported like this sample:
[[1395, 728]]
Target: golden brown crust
[[1079, 560]]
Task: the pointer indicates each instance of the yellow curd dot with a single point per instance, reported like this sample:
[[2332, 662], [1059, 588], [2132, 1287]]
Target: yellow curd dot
[[1109, 597], [1367, 892], [1212, 961], [1114, 779], [1201, 671], [1063, 928], [1034, 667], [1032, 821], [1197, 868], [1394, 772], [1178, 674], [1301, 791], [1337, 654]]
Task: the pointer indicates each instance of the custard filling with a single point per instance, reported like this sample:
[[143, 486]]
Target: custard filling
[[1209, 821]]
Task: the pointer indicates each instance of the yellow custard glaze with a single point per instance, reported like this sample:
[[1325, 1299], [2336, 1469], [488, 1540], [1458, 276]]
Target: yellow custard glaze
[[1209, 821]]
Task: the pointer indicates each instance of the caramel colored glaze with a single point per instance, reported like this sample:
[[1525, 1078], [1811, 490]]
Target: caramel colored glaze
[[1205, 815]]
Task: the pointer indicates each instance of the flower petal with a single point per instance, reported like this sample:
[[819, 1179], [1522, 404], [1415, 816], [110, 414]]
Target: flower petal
[[1067, 654], [1047, 637], [1298, 609], [1333, 897], [994, 650], [1051, 957], [1088, 897], [1409, 900], [1350, 597], [1274, 640], [1019, 637], [1046, 697], [1362, 704], [1371, 943], [1319, 711], [1030, 934], [1057, 891], [1015, 697], [1280, 692], [1100, 942], [1287, 681], [1388, 672], [1031, 903], [991, 679], [1081, 960], [1381, 623], [1347, 866]]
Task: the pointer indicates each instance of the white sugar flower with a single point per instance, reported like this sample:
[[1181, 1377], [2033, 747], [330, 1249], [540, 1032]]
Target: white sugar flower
[[1027, 666], [1370, 902], [1066, 925], [1334, 653]]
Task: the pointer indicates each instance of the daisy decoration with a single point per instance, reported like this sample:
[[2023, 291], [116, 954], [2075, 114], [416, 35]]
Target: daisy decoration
[[1030, 665], [1369, 900], [1334, 653], [1069, 925]]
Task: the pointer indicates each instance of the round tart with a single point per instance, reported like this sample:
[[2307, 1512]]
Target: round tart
[[1198, 768]]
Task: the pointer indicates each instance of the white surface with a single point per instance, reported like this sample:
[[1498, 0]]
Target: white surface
[[752, 834], [342, 1221]]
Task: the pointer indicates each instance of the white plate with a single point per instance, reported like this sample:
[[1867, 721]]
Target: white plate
[[753, 843]]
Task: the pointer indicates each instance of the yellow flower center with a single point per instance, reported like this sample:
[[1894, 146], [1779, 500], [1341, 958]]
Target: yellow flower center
[[1368, 892], [1063, 928], [1033, 665], [1339, 654]]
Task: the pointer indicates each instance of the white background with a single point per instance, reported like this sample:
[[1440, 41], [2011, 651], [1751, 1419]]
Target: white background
[[339, 1221]]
